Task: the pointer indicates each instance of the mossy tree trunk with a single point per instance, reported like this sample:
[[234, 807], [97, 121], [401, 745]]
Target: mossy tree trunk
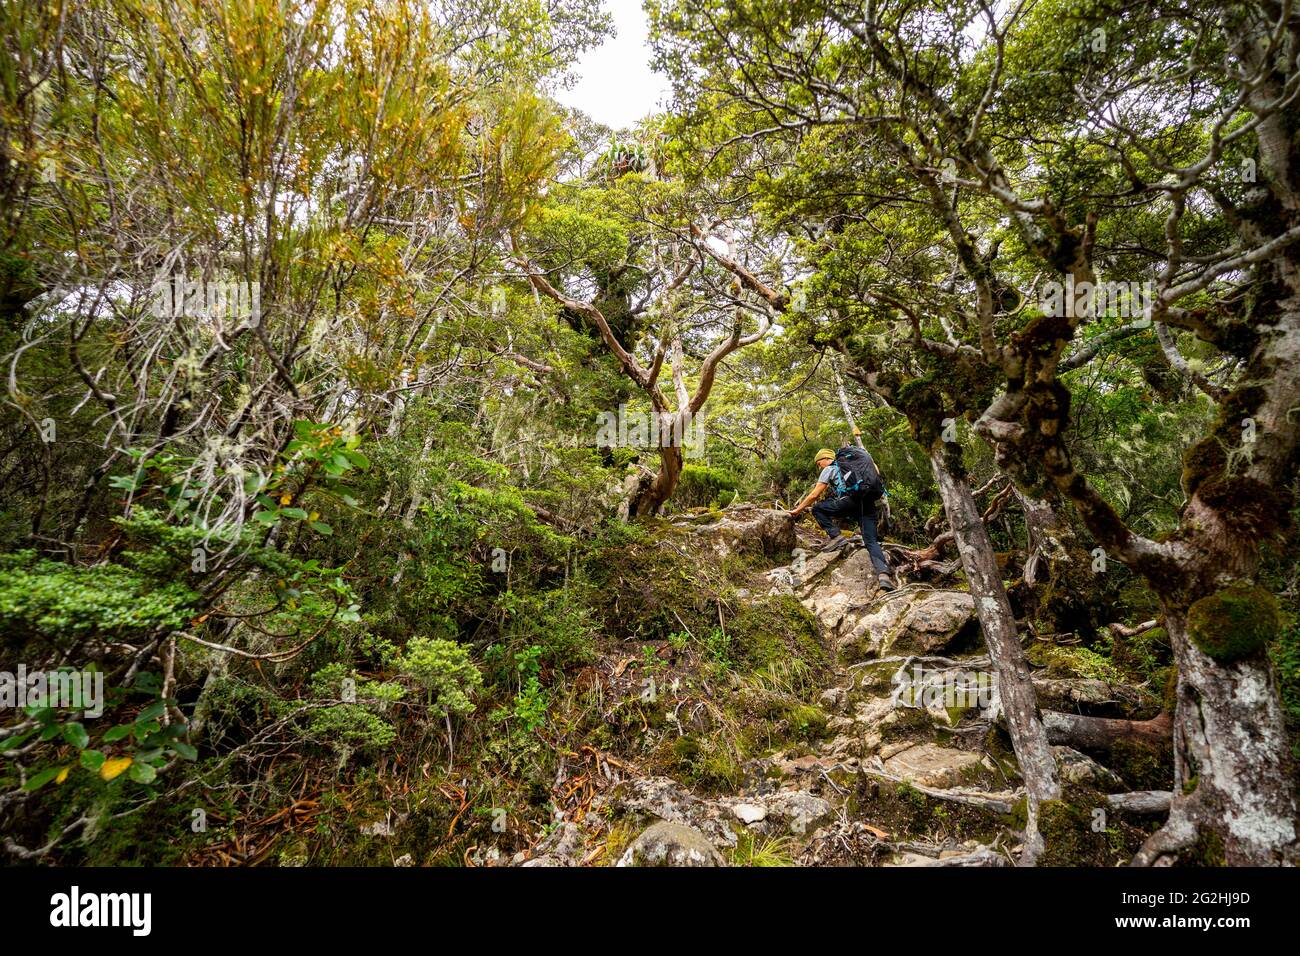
[[1015, 687], [1058, 569]]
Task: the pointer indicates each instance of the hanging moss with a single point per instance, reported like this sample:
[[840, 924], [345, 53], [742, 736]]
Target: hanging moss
[[921, 402], [1208, 458], [1233, 623]]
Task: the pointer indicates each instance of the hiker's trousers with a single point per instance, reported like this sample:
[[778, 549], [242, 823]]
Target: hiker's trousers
[[847, 508]]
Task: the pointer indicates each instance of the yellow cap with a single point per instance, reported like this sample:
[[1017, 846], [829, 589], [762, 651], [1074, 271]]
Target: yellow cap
[[824, 454]]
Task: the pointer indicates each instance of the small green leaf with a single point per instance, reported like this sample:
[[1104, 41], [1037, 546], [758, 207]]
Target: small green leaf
[[186, 750], [151, 712], [17, 740], [117, 733], [92, 760], [41, 779], [143, 773], [76, 735], [321, 527]]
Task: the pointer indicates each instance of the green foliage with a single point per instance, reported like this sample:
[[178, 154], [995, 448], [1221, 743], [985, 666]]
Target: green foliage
[[559, 623], [528, 710], [702, 486], [1285, 654], [357, 725], [50, 600], [444, 672]]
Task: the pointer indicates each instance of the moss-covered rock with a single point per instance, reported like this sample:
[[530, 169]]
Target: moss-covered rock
[[775, 629], [1233, 623]]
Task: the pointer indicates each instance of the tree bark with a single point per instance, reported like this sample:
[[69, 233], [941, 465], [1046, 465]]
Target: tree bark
[[1015, 688], [844, 404], [654, 495], [1101, 733]]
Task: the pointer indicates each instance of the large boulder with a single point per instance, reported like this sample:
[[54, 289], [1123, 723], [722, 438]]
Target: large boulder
[[744, 529], [924, 622], [934, 619], [670, 844], [842, 595]]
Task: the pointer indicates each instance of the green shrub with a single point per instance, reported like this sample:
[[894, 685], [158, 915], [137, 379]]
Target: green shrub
[[444, 672], [40, 598], [703, 487]]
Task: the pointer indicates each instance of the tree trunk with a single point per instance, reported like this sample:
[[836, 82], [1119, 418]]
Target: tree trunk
[[1058, 571], [1015, 688], [1230, 752], [844, 404], [653, 496]]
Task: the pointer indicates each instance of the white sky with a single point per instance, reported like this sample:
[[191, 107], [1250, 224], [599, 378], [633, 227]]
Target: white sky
[[617, 87]]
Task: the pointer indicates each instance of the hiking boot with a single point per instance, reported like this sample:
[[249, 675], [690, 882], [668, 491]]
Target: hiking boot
[[835, 543], [886, 582]]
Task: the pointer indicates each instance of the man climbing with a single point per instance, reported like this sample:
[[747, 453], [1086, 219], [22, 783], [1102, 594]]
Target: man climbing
[[856, 489]]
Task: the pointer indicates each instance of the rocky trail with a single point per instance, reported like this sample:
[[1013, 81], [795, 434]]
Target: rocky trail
[[911, 770]]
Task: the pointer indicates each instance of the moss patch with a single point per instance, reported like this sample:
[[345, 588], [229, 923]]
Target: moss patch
[[899, 808], [1233, 623], [773, 630]]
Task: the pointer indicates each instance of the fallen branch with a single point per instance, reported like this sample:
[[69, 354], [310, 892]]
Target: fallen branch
[[1102, 733], [1141, 801]]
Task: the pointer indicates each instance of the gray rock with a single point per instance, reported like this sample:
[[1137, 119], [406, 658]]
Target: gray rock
[[799, 810], [379, 828], [670, 844], [746, 529], [930, 765], [564, 843], [664, 798], [1088, 695], [934, 619], [833, 698], [1079, 768], [839, 600]]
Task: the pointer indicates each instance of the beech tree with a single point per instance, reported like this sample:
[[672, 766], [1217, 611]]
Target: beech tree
[[653, 300]]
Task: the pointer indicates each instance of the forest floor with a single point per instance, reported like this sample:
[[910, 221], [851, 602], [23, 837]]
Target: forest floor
[[752, 701], [886, 750]]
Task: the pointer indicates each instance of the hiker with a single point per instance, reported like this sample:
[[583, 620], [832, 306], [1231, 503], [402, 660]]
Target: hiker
[[856, 489]]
